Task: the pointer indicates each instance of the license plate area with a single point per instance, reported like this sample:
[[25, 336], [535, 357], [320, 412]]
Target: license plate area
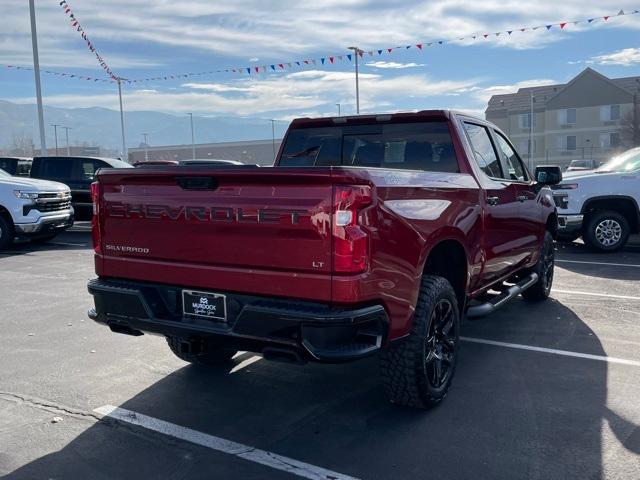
[[212, 306]]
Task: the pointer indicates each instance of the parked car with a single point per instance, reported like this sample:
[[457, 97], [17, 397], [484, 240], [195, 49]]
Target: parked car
[[601, 205], [372, 234], [19, 166], [32, 209], [77, 173], [578, 165]]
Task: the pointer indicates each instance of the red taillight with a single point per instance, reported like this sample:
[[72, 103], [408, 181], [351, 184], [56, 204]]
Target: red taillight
[[350, 241], [95, 220]]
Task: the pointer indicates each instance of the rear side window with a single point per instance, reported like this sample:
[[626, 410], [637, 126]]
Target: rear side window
[[8, 165], [411, 146], [483, 151], [56, 168]]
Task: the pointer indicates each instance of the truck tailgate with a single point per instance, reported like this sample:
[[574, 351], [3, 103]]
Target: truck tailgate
[[234, 229]]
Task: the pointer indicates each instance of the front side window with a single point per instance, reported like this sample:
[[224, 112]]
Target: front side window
[[483, 151], [628, 161], [514, 164], [409, 146]]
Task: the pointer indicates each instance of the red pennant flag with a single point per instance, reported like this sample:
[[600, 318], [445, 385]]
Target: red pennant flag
[[522, 29], [419, 45], [485, 35], [606, 18], [330, 59], [562, 25], [389, 50], [361, 53], [257, 69], [281, 65]]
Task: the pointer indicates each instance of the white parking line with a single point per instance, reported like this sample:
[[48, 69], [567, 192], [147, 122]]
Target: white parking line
[[591, 294], [598, 263], [245, 363], [565, 353], [246, 452]]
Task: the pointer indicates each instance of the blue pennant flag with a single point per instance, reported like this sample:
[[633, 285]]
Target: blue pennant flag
[[591, 20], [349, 56], [509, 32], [379, 52], [273, 67], [249, 70], [322, 61], [549, 27]]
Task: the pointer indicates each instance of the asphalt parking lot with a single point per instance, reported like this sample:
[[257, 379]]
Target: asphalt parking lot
[[544, 391]]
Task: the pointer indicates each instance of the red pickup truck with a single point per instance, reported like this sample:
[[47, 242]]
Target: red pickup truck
[[371, 234]]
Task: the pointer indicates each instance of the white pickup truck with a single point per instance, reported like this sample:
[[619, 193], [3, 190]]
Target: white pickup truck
[[34, 209], [601, 205]]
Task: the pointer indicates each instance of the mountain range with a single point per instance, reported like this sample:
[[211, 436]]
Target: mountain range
[[101, 126]]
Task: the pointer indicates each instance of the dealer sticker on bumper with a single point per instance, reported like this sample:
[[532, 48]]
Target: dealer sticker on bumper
[[204, 305]]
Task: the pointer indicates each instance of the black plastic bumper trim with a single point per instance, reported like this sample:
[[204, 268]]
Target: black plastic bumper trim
[[313, 330]]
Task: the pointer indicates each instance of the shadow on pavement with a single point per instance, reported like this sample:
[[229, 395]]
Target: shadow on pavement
[[510, 414], [64, 241]]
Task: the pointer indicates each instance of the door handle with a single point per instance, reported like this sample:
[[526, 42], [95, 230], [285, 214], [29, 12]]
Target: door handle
[[522, 198], [493, 200]]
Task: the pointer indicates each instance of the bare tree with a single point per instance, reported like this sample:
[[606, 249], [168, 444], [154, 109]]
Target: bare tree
[[630, 127], [21, 145]]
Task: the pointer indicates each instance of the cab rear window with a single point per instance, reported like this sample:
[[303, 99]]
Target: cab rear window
[[411, 146]]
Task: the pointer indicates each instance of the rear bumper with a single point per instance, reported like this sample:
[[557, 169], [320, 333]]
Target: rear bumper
[[45, 224], [310, 330]]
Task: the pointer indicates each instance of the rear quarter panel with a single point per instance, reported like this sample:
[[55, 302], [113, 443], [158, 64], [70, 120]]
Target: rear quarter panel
[[412, 213]]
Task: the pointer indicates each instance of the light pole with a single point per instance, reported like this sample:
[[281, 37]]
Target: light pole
[[273, 138], [193, 138], [55, 135], [338, 105], [146, 150], [124, 147], [356, 53], [66, 132], [36, 73], [531, 134]]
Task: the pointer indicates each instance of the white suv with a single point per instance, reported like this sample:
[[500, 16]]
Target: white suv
[[601, 205], [30, 208]]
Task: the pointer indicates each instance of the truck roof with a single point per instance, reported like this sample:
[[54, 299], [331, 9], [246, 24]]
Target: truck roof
[[377, 117]]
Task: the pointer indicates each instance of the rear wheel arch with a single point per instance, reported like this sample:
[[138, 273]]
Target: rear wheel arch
[[6, 228], [448, 259]]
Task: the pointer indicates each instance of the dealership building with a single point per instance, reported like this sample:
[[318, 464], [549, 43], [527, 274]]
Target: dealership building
[[260, 152]]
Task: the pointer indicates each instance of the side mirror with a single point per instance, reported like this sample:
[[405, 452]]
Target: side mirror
[[548, 175]]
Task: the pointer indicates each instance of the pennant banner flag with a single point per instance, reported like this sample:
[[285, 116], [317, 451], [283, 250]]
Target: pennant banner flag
[[324, 60], [76, 24]]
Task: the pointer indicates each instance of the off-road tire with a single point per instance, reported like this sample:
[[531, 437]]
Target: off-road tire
[[598, 218], [209, 356], [6, 233], [544, 268], [404, 367]]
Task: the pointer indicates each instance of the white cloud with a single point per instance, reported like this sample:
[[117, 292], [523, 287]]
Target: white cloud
[[285, 95], [284, 29], [393, 65], [626, 57]]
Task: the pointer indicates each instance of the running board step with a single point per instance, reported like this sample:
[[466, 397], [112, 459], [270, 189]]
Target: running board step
[[499, 300]]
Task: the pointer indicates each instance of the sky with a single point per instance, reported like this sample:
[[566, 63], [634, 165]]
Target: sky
[[141, 39]]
